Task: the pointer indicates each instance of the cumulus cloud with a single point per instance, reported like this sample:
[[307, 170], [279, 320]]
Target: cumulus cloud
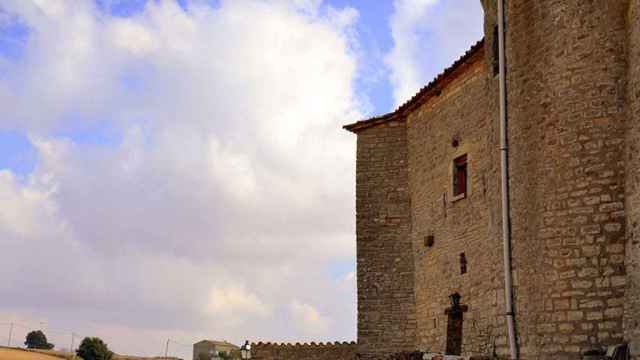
[[225, 189], [232, 303], [24, 208], [134, 37], [428, 36], [308, 319]]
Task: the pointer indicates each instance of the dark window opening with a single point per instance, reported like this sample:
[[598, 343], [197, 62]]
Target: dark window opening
[[460, 176], [429, 240], [463, 264], [496, 51], [455, 320]]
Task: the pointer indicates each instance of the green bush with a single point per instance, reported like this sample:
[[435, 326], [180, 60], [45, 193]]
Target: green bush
[[37, 340], [93, 348]]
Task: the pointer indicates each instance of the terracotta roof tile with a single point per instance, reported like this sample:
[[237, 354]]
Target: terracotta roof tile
[[426, 92]]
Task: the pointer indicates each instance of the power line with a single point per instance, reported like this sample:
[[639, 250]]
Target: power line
[[31, 326], [57, 332], [171, 341], [181, 344], [16, 324]]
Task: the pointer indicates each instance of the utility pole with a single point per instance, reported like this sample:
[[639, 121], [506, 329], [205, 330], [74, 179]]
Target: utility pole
[[10, 333], [166, 349], [72, 341]]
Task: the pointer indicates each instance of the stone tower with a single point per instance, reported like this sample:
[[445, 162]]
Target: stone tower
[[386, 300], [567, 112]]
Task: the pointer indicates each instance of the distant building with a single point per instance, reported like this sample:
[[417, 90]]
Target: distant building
[[210, 349]]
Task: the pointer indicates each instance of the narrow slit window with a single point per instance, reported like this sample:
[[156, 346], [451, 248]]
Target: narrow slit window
[[463, 264], [460, 176]]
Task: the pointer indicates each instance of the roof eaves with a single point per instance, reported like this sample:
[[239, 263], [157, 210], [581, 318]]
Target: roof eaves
[[433, 87], [372, 121]]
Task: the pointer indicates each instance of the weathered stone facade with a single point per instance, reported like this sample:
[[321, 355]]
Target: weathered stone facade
[[632, 180], [386, 293], [469, 225], [566, 80], [312, 351], [574, 135]]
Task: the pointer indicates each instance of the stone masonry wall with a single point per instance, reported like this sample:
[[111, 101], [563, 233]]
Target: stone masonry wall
[[464, 110], [566, 94], [312, 351], [574, 135], [386, 302], [632, 183]]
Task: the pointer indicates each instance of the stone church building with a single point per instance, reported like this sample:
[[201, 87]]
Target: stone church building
[[428, 201], [430, 266]]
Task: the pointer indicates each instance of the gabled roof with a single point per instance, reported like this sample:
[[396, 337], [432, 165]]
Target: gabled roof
[[432, 88], [218, 343]]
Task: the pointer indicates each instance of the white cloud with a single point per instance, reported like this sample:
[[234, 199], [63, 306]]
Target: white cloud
[[233, 170], [428, 36], [232, 303], [308, 319], [51, 8], [25, 210], [131, 36], [228, 190]]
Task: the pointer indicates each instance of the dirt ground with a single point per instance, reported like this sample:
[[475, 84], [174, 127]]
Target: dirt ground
[[18, 354], [13, 354]]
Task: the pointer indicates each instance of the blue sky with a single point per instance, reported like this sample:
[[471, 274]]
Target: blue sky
[[159, 142]]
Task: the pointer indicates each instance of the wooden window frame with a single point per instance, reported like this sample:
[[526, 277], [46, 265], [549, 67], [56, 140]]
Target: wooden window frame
[[460, 177]]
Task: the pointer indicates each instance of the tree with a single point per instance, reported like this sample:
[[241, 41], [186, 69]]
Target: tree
[[93, 348], [37, 340]]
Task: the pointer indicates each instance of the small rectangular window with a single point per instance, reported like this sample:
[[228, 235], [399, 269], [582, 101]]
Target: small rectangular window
[[460, 176], [463, 264]]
